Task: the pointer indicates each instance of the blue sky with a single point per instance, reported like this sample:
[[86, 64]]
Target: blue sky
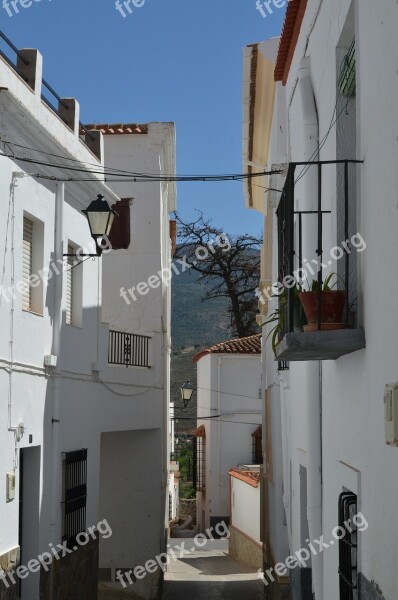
[[171, 60]]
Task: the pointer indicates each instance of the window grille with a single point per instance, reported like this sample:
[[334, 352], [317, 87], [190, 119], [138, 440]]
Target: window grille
[[74, 495], [199, 448], [348, 547], [347, 79]]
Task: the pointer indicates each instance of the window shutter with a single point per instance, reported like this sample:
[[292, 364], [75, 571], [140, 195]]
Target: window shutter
[[27, 261], [119, 236], [173, 237], [69, 288]]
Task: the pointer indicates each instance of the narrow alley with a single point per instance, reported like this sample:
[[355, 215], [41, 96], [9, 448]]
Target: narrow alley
[[210, 574]]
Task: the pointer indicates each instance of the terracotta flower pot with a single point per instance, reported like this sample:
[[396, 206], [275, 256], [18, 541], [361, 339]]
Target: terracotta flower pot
[[332, 307]]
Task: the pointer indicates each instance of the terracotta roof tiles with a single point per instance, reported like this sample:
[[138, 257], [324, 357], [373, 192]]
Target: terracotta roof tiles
[[199, 432], [118, 128], [250, 477], [246, 345], [290, 34]]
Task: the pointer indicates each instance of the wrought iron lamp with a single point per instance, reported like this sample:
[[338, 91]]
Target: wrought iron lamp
[[100, 218], [187, 390]]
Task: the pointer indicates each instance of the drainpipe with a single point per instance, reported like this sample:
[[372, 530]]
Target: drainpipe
[[166, 350], [312, 369], [284, 390], [55, 381]]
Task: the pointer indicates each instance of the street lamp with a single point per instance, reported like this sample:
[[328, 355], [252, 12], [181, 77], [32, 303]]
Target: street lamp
[[100, 219], [187, 390]]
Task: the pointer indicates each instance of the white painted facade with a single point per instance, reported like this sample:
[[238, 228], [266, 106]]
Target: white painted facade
[[228, 387], [174, 482], [353, 454], [245, 508], [120, 415]]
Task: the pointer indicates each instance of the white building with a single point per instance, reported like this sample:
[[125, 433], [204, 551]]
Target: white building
[[330, 417], [174, 482], [245, 524], [229, 412], [84, 439]]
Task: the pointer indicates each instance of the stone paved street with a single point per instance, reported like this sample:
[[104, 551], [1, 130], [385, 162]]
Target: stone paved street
[[210, 574]]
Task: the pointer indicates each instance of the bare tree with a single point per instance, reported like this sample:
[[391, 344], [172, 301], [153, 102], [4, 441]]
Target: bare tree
[[229, 266]]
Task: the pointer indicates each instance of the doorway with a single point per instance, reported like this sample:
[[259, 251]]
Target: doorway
[[29, 517]]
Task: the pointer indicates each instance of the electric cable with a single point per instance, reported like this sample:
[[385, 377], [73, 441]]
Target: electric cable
[[134, 177]]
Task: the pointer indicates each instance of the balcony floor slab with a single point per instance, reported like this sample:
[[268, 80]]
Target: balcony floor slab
[[320, 345]]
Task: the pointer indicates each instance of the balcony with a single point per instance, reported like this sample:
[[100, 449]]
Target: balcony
[[317, 317], [128, 349], [27, 64]]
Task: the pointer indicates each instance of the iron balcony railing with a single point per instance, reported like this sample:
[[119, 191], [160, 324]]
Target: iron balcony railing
[[290, 240], [128, 349]]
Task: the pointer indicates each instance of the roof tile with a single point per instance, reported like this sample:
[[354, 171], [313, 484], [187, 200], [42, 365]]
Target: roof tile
[[246, 345], [290, 33], [250, 477], [118, 128]]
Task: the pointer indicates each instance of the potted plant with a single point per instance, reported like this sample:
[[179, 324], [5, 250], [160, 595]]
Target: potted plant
[[332, 305], [278, 316]]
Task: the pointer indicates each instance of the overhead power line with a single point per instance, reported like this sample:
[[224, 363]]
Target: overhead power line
[[118, 175]]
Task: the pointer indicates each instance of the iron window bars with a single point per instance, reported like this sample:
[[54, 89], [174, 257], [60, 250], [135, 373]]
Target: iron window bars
[[283, 365], [199, 463], [128, 349], [348, 547], [74, 495], [289, 251], [347, 78]]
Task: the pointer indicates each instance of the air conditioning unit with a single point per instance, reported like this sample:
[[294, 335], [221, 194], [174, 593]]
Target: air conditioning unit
[[391, 413]]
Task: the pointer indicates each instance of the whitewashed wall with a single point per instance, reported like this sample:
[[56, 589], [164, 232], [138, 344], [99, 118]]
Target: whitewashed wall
[[354, 451], [95, 398], [228, 444], [245, 508]]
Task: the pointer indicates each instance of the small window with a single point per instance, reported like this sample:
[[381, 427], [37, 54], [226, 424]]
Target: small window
[[257, 449], [27, 263], [347, 78], [32, 264], [348, 547], [74, 495], [199, 464]]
